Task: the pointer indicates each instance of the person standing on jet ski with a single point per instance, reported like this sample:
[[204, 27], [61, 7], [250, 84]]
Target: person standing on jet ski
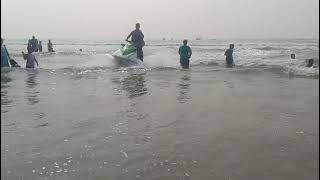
[[137, 39]]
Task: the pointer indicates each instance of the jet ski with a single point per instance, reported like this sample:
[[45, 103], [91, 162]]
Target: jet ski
[[127, 55]]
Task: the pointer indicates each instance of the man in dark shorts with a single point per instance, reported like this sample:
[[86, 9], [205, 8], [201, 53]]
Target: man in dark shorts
[[185, 54], [34, 44], [229, 56], [40, 46], [137, 38], [50, 48]]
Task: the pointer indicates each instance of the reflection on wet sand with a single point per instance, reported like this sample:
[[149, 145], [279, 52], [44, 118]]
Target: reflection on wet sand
[[134, 84], [5, 98], [184, 88], [31, 84]]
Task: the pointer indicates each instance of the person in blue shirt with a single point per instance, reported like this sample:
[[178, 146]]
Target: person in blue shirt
[[229, 55], [137, 38], [4, 55], [6, 60], [185, 54]]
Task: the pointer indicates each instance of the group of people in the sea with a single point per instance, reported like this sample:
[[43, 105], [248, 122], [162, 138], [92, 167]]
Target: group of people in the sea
[[32, 46], [185, 52], [137, 38], [35, 46]]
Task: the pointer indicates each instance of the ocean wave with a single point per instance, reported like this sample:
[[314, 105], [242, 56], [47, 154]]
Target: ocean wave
[[297, 69], [164, 68], [290, 48], [211, 50], [179, 44], [84, 70], [290, 70], [60, 53], [268, 48], [274, 55]]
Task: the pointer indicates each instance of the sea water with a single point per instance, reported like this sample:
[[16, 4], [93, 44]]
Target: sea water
[[81, 115]]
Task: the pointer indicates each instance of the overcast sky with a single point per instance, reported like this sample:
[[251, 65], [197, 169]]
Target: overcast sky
[[114, 19]]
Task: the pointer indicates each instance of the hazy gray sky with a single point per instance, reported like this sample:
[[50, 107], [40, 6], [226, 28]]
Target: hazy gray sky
[[114, 19]]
